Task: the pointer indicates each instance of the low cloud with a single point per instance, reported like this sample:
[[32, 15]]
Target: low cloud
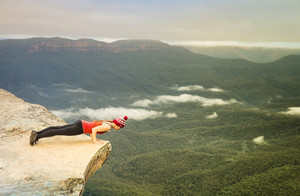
[[66, 113], [215, 89], [110, 113], [38, 90], [134, 96], [196, 88], [42, 94], [71, 88], [142, 103], [189, 88], [171, 115], [259, 140], [183, 98], [212, 116], [78, 90], [292, 111]]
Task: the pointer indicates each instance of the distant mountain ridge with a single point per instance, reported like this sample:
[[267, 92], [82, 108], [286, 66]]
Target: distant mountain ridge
[[254, 54], [32, 69], [56, 44]]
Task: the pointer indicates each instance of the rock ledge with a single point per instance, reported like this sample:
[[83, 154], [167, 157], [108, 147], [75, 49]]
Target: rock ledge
[[59, 165]]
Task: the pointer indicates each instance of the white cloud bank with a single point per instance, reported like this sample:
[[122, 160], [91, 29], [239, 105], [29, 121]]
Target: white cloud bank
[[292, 111], [259, 140], [212, 116], [183, 98], [110, 113], [196, 88]]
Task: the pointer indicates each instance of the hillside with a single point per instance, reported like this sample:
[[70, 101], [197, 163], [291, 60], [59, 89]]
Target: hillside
[[141, 67], [254, 54], [239, 150]]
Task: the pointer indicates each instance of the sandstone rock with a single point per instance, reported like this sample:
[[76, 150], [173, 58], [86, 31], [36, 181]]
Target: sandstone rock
[[59, 165], [17, 114]]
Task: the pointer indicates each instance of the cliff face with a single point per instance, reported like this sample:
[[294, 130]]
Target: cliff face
[[59, 165], [35, 45]]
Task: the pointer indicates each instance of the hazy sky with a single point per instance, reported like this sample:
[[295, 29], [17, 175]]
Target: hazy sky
[[244, 21]]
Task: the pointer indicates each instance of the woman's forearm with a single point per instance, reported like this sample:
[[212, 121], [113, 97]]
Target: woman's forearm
[[93, 135]]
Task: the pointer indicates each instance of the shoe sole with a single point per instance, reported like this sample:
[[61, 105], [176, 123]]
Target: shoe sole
[[33, 138]]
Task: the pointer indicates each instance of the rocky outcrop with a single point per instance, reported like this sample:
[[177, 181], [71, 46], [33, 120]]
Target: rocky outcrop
[[59, 165]]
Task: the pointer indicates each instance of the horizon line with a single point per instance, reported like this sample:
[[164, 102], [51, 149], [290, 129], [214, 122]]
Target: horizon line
[[205, 43]]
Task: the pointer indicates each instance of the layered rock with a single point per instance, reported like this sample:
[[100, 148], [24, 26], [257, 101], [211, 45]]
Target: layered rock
[[59, 165]]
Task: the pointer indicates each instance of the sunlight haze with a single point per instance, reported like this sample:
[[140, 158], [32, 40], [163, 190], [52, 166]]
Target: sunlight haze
[[258, 22]]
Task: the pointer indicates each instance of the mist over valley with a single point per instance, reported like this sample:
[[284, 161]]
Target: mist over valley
[[198, 125]]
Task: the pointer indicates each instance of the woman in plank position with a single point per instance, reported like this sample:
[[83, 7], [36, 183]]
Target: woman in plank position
[[80, 127]]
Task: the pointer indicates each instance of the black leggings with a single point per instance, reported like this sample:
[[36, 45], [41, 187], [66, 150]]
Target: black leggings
[[72, 129]]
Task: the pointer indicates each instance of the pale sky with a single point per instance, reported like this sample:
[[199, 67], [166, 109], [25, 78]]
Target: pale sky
[[173, 21]]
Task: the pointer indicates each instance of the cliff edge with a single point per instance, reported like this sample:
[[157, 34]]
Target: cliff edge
[[59, 165]]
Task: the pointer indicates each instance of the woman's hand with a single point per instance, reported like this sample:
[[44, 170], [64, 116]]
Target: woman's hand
[[95, 140], [99, 142]]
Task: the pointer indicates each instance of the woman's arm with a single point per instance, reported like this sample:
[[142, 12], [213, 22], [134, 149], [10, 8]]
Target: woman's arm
[[100, 129]]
